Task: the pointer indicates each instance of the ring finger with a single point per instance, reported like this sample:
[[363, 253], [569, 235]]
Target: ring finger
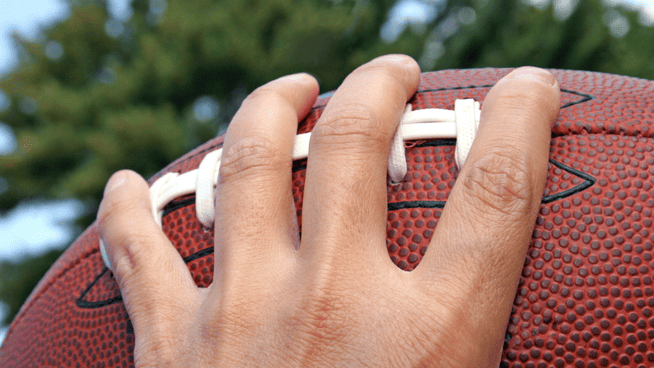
[[344, 204]]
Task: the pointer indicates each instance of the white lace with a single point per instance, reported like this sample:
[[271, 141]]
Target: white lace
[[462, 124]]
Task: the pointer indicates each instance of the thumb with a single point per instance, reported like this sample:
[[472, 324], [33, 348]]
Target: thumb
[[153, 278]]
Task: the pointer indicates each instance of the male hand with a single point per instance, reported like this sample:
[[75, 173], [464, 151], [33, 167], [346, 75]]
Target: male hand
[[276, 302]]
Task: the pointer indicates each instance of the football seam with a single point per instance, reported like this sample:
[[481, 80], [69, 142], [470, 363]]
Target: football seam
[[45, 287], [168, 168], [92, 252]]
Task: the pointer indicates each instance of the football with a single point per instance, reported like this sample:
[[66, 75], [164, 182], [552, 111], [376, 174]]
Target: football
[[585, 297]]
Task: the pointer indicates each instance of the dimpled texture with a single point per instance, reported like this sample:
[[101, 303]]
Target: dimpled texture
[[585, 297]]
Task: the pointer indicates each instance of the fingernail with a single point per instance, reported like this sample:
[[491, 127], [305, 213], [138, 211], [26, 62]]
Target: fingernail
[[114, 182], [535, 74], [295, 77], [105, 256], [398, 59]]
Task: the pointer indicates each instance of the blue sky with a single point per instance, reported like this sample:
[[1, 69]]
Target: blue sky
[[31, 228]]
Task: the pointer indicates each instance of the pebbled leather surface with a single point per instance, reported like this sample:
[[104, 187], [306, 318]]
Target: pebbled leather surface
[[585, 298]]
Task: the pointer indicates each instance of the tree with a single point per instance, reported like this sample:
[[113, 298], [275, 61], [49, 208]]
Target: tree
[[508, 33], [97, 95]]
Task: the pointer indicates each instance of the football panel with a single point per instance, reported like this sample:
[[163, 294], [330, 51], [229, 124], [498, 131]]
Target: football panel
[[585, 292]]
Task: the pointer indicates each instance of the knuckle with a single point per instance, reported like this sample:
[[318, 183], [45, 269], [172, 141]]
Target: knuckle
[[352, 123], [250, 156], [501, 181], [133, 248]]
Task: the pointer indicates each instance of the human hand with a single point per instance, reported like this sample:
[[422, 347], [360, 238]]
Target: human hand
[[277, 303]]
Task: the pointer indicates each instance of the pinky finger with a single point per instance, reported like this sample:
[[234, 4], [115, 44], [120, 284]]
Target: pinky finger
[[154, 281]]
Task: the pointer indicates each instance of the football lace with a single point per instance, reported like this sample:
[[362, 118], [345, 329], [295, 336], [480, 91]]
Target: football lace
[[461, 123]]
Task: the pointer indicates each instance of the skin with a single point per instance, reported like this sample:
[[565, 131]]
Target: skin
[[276, 302]]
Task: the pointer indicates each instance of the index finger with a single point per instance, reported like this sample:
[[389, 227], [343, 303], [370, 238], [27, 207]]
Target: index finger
[[478, 249]]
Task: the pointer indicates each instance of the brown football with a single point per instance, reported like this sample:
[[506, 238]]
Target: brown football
[[585, 298]]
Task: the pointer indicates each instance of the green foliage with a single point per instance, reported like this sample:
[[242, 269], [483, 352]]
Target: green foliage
[[96, 95], [510, 33]]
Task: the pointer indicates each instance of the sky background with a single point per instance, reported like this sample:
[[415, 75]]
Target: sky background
[[32, 228]]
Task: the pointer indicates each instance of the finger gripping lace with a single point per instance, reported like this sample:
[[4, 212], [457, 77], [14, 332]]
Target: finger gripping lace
[[462, 124]]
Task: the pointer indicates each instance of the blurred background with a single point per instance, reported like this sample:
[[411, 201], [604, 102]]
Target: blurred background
[[89, 87]]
